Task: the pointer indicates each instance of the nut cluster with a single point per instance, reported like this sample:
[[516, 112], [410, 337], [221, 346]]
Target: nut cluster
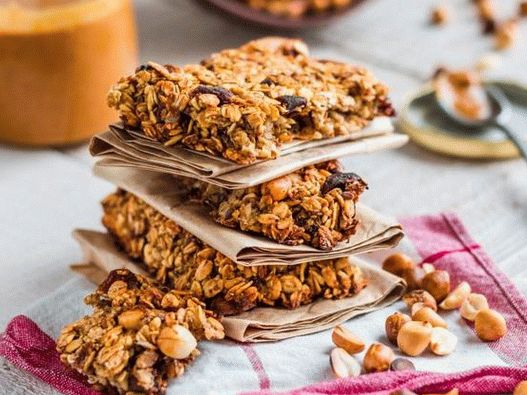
[[297, 8], [425, 328], [137, 337], [243, 104], [314, 205], [182, 262]]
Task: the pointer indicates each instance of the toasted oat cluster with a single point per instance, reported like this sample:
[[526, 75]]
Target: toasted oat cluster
[[138, 335], [183, 262], [314, 205], [244, 103], [297, 8]]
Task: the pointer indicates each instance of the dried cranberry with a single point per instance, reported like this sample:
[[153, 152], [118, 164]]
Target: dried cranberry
[[291, 102], [340, 180], [223, 94], [385, 107]]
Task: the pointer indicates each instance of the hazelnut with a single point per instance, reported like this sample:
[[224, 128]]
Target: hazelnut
[[378, 358], [455, 299], [419, 296], [414, 337], [521, 388], [442, 341], [413, 277], [345, 339], [131, 319], [393, 324], [439, 16], [176, 342], [278, 188], [426, 314], [343, 364], [397, 263], [490, 325], [437, 283], [472, 305]]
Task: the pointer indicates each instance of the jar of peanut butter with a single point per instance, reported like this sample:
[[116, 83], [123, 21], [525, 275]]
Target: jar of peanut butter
[[58, 59]]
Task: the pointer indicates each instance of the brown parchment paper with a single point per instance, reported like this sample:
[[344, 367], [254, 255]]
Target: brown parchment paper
[[161, 192], [125, 148], [261, 324]]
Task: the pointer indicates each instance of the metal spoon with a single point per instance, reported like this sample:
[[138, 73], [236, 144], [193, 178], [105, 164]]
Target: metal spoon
[[498, 114]]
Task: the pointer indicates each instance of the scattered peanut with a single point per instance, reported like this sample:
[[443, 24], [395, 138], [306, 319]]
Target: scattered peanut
[[472, 305], [397, 264], [490, 325], [416, 307], [521, 388], [420, 296], [455, 299], [426, 314], [400, 364], [393, 324], [176, 342], [345, 339], [378, 358], [437, 283], [442, 341], [414, 337], [343, 364]]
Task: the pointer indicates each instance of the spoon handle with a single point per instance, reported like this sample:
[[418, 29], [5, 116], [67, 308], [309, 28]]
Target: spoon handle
[[517, 139]]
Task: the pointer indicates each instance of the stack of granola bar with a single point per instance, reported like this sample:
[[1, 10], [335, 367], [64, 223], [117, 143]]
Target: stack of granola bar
[[242, 105]]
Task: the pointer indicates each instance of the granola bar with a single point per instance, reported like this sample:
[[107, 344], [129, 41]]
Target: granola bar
[[297, 8], [244, 103], [138, 335], [181, 261], [314, 205]]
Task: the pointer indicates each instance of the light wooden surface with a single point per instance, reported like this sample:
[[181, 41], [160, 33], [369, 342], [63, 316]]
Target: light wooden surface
[[45, 194]]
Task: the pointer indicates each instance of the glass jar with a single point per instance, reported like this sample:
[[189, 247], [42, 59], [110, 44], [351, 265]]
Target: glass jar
[[58, 59]]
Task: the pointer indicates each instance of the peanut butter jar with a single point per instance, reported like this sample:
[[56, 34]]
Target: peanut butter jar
[[58, 59]]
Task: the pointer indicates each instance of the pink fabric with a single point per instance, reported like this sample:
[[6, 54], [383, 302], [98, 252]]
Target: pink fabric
[[30, 349], [485, 380], [440, 239]]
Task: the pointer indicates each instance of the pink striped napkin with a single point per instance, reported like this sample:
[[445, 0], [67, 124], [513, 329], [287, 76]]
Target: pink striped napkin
[[439, 239]]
